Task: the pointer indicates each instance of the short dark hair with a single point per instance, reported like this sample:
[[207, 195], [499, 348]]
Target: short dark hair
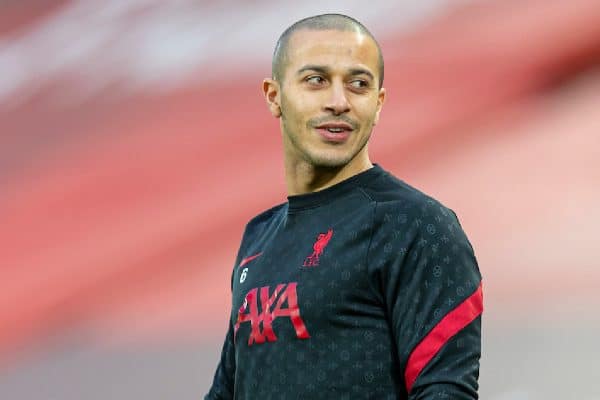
[[338, 22]]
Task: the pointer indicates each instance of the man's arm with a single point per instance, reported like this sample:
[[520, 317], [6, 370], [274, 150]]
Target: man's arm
[[431, 286], [223, 382], [452, 372], [445, 363]]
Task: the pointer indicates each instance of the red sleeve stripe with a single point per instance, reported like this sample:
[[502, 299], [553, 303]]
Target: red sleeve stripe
[[449, 326]]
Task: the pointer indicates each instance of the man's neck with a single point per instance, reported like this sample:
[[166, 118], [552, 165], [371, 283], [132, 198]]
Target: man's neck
[[303, 177]]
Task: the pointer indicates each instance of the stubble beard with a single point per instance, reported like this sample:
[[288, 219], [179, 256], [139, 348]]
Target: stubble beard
[[318, 159]]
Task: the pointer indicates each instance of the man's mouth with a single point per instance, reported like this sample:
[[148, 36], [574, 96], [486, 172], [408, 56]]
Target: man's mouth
[[336, 132], [335, 127]]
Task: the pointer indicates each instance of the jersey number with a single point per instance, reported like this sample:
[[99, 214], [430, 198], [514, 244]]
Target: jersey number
[[243, 276]]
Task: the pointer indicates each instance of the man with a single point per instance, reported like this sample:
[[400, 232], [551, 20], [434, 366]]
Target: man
[[359, 286]]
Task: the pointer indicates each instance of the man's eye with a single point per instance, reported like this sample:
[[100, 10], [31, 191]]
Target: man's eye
[[359, 84], [315, 80]]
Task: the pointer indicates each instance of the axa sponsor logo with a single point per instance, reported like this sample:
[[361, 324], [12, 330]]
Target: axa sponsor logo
[[281, 302], [318, 248]]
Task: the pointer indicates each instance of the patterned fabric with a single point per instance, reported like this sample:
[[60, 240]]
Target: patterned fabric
[[368, 289]]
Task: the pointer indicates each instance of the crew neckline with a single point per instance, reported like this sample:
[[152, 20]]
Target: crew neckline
[[310, 200]]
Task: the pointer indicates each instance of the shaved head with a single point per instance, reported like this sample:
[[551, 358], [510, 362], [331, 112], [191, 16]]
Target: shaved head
[[337, 22]]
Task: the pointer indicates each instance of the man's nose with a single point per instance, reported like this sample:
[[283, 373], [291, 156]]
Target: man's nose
[[337, 103]]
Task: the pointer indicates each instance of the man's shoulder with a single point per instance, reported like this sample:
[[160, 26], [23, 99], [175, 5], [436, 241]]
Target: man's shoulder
[[391, 193], [266, 217]]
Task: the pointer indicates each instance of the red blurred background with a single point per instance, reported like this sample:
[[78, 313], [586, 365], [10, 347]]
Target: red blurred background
[[135, 144]]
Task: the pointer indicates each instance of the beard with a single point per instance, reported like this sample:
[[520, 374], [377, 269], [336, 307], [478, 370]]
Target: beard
[[320, 157], [299, 143]]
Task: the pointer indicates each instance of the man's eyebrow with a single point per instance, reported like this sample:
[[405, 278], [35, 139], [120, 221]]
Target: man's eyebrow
[[361, 71], [316, 68]]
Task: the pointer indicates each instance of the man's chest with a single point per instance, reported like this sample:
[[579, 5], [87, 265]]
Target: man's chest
[[301, 278]]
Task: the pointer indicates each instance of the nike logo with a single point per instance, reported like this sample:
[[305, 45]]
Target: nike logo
[[248, 259]]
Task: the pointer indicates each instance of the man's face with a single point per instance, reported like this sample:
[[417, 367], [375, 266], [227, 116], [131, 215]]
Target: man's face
[[329, 97]]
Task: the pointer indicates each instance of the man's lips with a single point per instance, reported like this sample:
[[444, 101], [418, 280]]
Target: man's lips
[[334, 132], [336, 126]]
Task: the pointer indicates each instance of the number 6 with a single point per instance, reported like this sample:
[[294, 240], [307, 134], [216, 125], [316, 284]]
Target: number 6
[[243, 276]]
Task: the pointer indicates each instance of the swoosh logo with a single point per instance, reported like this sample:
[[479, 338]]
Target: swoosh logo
[[248, 259]]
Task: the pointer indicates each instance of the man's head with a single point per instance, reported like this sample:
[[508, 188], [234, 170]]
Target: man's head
[[326, 88], [322, 22]]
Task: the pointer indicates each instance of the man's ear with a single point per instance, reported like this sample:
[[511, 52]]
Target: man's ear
[[272, 96], [380, 101]]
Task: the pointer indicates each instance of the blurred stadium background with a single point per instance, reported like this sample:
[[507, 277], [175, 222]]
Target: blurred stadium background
[[135, 144]]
